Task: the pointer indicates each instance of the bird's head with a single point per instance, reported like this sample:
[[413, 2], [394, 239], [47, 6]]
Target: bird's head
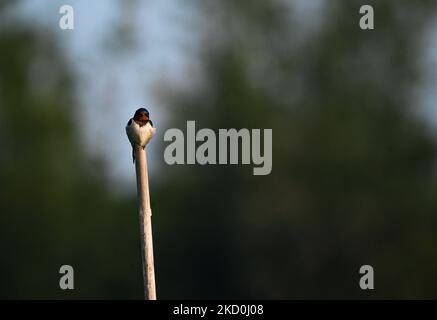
[[141, 115]]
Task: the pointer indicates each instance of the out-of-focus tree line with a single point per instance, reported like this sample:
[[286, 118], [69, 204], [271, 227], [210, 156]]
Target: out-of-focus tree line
[[55, 206], [353, 178]]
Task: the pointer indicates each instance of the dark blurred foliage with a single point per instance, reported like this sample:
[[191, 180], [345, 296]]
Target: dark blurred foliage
[[353, 167], [55, 207], [353, 179]]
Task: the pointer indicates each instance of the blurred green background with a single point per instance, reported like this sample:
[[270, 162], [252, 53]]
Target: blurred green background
[[354, 151]]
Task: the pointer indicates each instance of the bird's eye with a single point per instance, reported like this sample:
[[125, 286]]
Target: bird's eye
[[130, 122]]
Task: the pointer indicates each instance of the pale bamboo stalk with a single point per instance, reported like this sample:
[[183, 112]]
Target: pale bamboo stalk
[[145, 213]]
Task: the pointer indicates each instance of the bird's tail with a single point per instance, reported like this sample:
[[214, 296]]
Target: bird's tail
[[133, 154]]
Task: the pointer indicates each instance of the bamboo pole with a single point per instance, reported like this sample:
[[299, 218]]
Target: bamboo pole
[[145, 214]]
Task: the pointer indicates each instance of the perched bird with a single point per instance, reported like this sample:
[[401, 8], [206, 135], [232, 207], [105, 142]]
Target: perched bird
[[139, 129]]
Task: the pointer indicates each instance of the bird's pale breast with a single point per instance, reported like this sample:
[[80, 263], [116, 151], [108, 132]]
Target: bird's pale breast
[[139, 135], [146, 133]]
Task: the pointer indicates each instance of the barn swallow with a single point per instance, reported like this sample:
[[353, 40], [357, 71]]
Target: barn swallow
[[139, 129]]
